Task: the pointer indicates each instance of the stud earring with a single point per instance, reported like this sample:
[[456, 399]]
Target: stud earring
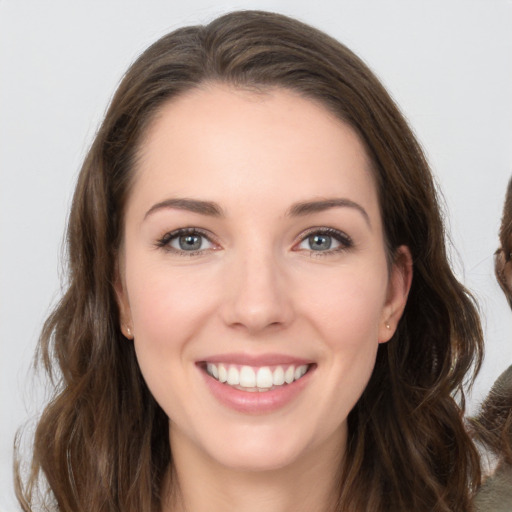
[[129, 333], [388, 326]]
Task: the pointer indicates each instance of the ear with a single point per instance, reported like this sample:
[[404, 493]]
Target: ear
[[399, 284], [503, 271], [125, 315]]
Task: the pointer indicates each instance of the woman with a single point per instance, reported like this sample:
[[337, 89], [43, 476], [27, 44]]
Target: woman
[[260, 310]]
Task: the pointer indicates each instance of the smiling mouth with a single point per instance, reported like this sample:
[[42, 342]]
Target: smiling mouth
[[256, 379]]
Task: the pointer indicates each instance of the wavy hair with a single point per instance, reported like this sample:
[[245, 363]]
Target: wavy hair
[[102, 442]]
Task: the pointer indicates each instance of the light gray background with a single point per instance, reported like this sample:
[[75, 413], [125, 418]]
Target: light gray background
[[448, 63]]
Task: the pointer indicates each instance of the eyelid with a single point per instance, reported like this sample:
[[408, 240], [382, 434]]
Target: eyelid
[[163, 242], [344, 240], [341, 237]]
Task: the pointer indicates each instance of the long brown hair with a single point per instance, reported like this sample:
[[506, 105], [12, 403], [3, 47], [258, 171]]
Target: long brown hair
[[102, 442]]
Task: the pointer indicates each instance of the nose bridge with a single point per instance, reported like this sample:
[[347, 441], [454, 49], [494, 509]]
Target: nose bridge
[[258, 298]]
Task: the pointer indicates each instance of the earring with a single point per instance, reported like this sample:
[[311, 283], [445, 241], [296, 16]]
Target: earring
[[388, 326], [129, 333]]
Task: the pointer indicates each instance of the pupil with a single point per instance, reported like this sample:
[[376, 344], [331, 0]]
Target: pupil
[[190, 242], [320, 242]]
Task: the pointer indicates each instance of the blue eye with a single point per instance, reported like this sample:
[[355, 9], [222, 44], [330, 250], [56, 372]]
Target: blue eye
[[319, 242], [326, 240], [188, 240]]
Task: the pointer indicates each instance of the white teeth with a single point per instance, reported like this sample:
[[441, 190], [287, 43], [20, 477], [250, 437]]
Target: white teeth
[[300, 371], [264, 378], [212, 370], [255, 379], [223, 373], [233, 376], [247, 377], [278, 376]]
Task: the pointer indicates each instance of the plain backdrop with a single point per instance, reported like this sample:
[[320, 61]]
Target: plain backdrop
[[448, 64]]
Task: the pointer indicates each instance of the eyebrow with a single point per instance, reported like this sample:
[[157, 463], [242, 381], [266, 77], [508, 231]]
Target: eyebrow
[[192, 205], [303, 208], [310, 207]]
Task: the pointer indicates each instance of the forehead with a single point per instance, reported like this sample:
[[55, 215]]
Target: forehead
[[217, 142]]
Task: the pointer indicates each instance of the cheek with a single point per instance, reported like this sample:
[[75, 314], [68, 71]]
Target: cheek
[[166, 305], [344, 314], [168, 310], [349, 306], [348, 320]]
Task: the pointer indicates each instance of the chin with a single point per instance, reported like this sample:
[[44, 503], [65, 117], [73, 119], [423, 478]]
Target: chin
[[257, 458], [264, 448]]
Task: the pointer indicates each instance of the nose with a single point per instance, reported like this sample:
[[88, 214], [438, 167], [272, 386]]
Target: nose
[[257, 294]]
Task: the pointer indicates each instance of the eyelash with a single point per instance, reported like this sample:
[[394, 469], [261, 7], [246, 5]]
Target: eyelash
[[343, 239], [165, 241]]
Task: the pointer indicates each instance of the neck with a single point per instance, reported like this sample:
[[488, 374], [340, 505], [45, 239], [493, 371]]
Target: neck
[[198, 483]]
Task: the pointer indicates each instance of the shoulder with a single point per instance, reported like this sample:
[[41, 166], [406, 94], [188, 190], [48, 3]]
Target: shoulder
[[493, 427], [495, 495]]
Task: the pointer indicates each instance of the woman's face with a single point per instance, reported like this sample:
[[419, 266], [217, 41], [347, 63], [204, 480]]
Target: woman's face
[[254, 252]]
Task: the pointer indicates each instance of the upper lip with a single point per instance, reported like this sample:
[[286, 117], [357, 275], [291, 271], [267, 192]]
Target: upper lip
[[256, 360]]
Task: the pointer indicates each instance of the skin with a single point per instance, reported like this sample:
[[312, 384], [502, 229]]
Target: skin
[[256, 287], [502, 262]]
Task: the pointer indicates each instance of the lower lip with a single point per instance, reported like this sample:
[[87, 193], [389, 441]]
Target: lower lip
[[258, 402]]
